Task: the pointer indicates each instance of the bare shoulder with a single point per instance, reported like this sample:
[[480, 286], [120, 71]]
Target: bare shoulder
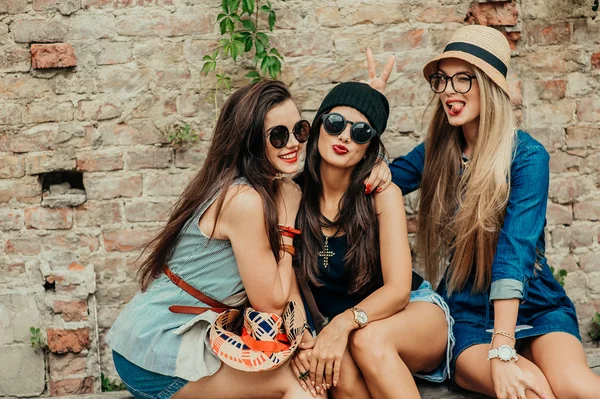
[[390, 197], [243, 201]]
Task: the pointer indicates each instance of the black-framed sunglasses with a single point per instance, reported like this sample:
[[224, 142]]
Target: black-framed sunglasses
[[461, 82], [360, 132], [280, 135]]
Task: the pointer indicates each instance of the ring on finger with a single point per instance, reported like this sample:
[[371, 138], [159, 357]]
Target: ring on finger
[[304, 375]]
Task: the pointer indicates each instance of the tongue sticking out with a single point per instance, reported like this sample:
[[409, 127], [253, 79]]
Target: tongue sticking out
[[456, 107]]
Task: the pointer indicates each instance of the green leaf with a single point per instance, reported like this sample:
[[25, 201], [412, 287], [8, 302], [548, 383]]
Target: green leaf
[[223, 26], [562, 272], [253, 74], [207, 58], [236, 17], [225, 6], [260, 48], [234, 5], [221, 16], [265, 8], [263, 38], [249, 24], [215, 54], [227, 82], [248, 44], [230, 25], [274, 52], [272, 20], [248, 6], [32, 330]]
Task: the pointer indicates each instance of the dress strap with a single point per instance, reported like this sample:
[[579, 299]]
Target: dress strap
[[215, 305]]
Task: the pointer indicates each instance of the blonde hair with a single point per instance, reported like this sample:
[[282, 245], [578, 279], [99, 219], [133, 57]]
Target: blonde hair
[[462, 214]]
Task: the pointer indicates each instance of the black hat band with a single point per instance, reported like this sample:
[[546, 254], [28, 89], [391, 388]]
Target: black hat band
[[480, 53]]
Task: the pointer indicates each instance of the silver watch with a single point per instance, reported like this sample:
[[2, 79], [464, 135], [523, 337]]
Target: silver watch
[[504, 353], [360, 317]]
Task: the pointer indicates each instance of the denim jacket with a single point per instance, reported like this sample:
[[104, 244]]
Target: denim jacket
[[521, 241]]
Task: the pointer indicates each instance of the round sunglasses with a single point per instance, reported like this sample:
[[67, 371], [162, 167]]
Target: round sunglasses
[[461, 82], [335, 124], [280, 135]]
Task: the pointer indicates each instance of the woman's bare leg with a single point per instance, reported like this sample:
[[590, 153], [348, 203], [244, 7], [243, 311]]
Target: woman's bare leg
[[473, 373], [561, 358], [351, 384], [228, 383], [388, 351]]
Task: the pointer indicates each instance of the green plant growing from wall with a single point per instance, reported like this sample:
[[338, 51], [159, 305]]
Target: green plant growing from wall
[[179, 134], [241, 33], [36, 339], [110, 386], [559, 275], [595, 328]]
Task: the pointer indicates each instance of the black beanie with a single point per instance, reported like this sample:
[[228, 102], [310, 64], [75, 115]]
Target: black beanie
[[361, 97]]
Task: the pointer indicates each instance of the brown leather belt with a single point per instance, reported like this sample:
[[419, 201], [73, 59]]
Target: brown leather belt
[[214, 305]]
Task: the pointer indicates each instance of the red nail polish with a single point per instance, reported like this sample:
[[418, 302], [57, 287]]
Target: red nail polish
[[379, 189]]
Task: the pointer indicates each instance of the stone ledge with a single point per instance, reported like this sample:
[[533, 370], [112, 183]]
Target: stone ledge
[[428, 390]]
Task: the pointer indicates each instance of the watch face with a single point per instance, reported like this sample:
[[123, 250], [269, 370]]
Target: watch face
[[505, 353], [361, 317]]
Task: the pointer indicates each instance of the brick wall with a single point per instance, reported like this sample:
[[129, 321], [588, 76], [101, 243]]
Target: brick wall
[[90, 86]]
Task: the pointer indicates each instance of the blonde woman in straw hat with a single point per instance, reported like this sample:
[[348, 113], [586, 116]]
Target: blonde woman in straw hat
[[482, 212]]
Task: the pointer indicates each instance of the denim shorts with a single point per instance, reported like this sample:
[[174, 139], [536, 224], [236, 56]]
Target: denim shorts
[[426, 294], [144, 384]]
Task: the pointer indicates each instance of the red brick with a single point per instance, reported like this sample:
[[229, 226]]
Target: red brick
[[166, 184], [63, 341], [26, 190], [56, 55], [72, 386], [22, 246], [67, 364], [127, 240], [75, 242], [97, 214], [565, 190], [132, 134], [513, 38], [108, 187], [71, 310], [587, 210], [14, 59], [147, 211], [440, 14], [303, 44], [515, 88], [97, 110], [583, 136], [543, 34], [13, 6], [595, 60], [11, 166], [588, 110], [103, 160], [38, 138], [149, 158], [404, 41], [559, 61], [552, 89], [47, 218], [12, 269], [590, 262], [493, 14], [564, 162], [11, 219], [372, 14], [191, 157]]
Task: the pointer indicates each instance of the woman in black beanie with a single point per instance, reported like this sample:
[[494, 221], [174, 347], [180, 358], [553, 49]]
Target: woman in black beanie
[[377, 321]]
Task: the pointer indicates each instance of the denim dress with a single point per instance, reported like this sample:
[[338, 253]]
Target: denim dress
[[544, 303]]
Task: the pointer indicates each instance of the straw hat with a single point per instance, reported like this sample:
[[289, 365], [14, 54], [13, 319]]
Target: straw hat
[[267, 339], [482, 46]]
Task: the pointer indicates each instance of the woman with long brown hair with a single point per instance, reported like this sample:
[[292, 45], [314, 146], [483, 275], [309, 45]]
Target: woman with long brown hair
[[482, 212], [227, 241], [377, 321]]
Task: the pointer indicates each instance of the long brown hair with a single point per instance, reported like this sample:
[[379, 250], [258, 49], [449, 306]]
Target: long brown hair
[[462, 214], [237, 150], [357, 218]]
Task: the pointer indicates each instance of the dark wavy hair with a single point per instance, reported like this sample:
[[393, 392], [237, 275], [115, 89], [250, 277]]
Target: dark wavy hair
[[357, 218], [237, 150]]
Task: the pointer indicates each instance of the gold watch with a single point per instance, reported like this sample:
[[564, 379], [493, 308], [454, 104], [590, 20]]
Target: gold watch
[[360, 317]]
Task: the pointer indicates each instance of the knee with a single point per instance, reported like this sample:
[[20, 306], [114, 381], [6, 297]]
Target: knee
[[577, 386], [368, 346], [348, 386]]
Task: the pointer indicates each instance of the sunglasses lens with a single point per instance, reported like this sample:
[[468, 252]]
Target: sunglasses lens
[[334, 124], [279, 136], [302, 131], [361, 133]]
